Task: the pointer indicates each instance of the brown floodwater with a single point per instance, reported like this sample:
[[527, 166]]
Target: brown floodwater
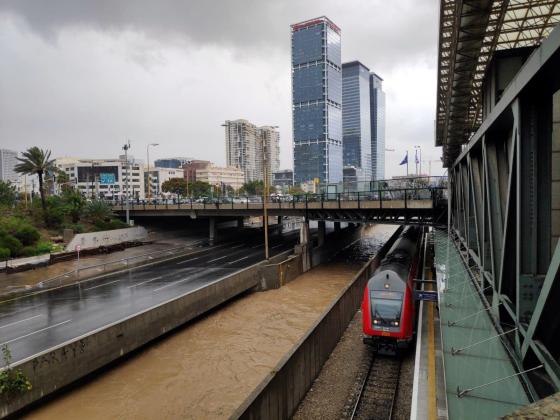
[[207, 368]]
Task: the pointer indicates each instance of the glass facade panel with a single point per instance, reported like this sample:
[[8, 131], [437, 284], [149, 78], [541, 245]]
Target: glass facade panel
[[334, 116], [334, 85], [308, 83], [377, 101], [307, 44], [308, 122], [310, 161], [333, 47]]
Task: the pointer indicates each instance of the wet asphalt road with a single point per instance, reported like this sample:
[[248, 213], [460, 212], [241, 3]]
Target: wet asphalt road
[[30, 325]]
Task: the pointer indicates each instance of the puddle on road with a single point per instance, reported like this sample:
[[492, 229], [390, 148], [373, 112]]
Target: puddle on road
[[208, 368]]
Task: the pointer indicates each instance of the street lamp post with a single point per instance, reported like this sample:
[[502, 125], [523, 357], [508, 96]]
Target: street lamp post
[[148, 157], [126, 147]]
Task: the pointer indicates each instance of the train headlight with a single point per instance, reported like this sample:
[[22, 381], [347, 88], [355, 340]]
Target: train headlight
[[396, 323], [376, 321]]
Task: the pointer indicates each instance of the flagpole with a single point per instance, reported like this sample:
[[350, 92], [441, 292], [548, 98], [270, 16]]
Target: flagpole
[[407, 163]]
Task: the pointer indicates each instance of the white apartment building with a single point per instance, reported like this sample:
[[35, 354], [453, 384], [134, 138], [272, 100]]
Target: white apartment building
[[218, 176], [244, 148], [105, 178], [157, 177], [8, 161]]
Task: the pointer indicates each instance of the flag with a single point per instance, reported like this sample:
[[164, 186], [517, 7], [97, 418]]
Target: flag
[[405, 160], [416, 157]]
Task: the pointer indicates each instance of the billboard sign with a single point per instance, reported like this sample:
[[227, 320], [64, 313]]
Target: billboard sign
[[106, 178]]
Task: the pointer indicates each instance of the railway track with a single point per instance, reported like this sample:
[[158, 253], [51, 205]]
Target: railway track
[[378, 390]]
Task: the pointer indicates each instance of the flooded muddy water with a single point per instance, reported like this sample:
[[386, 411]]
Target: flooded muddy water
[[207, 368]]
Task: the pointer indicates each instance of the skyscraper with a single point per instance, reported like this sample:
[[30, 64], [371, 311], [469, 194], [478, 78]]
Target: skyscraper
[[244, 148], [8, 161], [356, 123], [317, 101], [377, 109]]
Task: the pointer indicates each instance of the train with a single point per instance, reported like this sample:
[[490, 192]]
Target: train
[[388, 303]]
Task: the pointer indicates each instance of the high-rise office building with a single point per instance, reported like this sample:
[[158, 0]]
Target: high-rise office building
[[244, 148], [8, 161], [317, 101], [356, 124], [377, 109]]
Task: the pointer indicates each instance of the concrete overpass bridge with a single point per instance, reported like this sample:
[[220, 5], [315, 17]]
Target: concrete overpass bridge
[[396, 206]]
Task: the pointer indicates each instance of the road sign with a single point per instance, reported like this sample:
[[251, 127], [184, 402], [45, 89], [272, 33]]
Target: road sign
[[430, 296]]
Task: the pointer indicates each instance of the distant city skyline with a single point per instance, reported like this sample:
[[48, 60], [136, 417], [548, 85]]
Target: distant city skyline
[[156, 78]]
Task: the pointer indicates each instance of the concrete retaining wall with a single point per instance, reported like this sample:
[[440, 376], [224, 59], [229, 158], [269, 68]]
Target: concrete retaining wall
[[57, 367], [107, 238], [279, 394]]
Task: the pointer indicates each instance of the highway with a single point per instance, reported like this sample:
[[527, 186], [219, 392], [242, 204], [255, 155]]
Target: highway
[[32, 324]]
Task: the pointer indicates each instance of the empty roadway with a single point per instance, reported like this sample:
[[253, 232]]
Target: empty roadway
[[30, 325]]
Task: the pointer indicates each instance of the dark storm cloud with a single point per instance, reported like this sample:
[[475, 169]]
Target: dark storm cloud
[[396, 30]]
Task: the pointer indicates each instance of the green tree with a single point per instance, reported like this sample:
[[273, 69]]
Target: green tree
[[7, 194], [176, 186], [74, 203], [36, 161], [199, 189], [252, 188]]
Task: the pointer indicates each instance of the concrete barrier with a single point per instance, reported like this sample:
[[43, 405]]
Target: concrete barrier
[[279, 394], [107, 238], [61, 365]]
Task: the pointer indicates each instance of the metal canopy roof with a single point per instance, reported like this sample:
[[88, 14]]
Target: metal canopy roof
[[470, 32]]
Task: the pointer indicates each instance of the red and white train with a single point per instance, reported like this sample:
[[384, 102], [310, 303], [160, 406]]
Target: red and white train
[[388, 304]]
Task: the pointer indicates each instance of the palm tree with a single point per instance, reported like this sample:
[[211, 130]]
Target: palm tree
[[36, 161]]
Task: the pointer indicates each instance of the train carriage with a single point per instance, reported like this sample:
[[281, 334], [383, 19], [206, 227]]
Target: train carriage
[[388, 306]]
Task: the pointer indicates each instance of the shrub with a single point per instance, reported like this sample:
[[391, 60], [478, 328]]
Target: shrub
[[27, 234], [10, 242], [43, 248], [12, 381], [28, 251], [4, 253]]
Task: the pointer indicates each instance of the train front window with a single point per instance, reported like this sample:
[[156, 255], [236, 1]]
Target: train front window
[[386, 308]]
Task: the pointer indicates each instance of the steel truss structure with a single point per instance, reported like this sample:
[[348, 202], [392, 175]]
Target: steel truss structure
[[470, 33], [505, 210]]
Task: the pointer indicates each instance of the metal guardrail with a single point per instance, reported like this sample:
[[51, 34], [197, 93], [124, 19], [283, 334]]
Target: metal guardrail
[[407, 195], [58, 281]]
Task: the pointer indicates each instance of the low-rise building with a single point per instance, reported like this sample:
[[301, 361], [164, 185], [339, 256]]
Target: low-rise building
[[157, 177], [172, 162], [219, 176], [283, 179], [190, 168], [105, 178]]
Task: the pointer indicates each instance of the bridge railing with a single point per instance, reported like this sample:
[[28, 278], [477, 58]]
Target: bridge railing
[[398, 197]]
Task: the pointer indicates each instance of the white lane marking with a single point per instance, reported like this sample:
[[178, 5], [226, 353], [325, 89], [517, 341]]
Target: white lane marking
[[35, 332], [240, 259], [144, 282], [277, 246], [190, 259], [22, 320], [257, 246], [104, 284], [193, 277], [221, 258], [21, 310]]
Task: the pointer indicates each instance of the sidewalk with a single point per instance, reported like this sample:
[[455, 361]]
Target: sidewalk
[[30, 278]]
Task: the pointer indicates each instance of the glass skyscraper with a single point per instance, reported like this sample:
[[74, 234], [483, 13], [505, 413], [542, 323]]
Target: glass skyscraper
[[317, 101], [356, 123], [377, 109]]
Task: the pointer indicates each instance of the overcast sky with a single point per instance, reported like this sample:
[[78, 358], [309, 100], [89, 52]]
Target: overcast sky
[[80, 77]]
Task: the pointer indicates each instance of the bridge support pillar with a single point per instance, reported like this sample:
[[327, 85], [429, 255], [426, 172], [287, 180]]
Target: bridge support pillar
[[212, 230], [336, 226], [280, 225], [321, 227], [239, 222], [305, 245]]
